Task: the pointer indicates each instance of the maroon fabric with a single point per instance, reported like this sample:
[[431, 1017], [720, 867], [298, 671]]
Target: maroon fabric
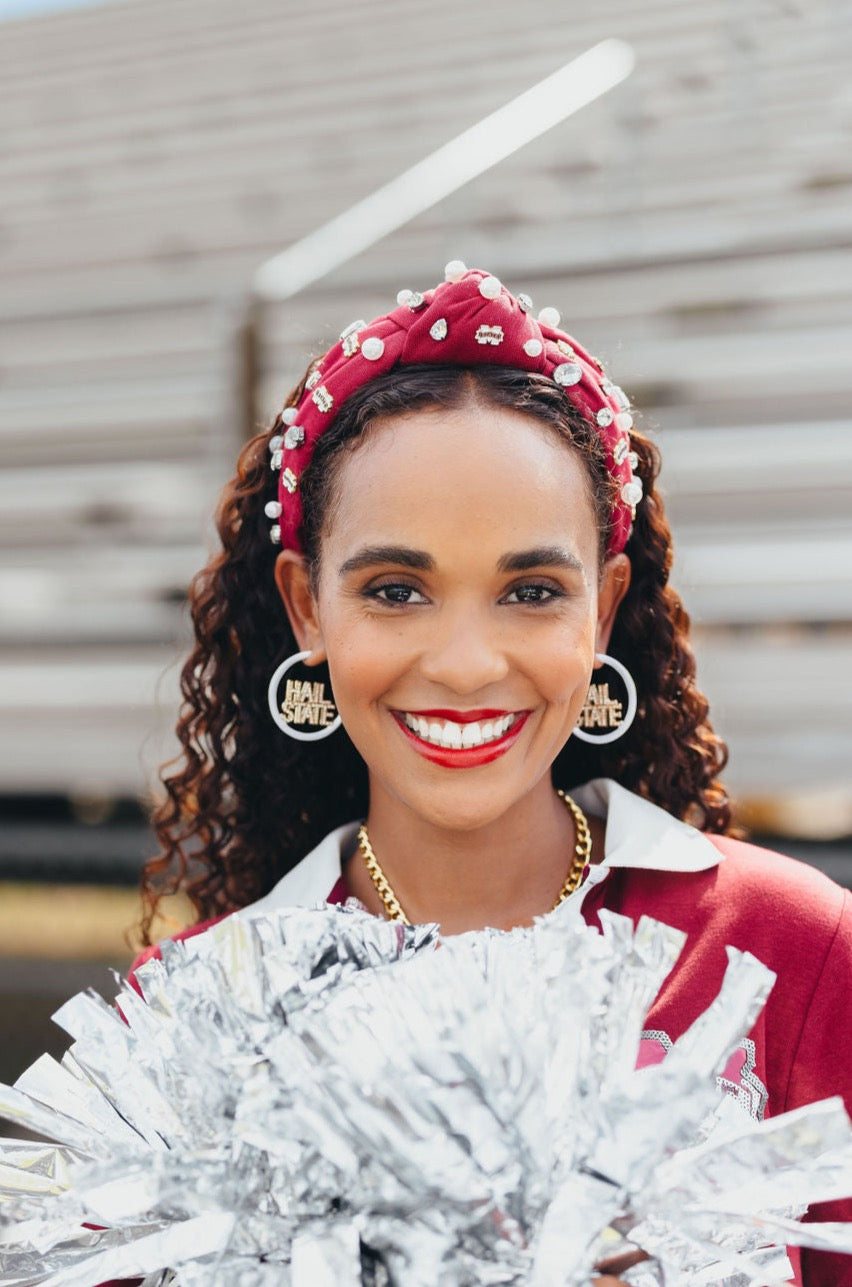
[[477, 331]]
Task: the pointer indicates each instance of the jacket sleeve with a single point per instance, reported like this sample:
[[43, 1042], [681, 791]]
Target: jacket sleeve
[[821, 1067]]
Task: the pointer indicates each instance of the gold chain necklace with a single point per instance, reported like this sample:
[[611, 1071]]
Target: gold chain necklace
[[582, 850]]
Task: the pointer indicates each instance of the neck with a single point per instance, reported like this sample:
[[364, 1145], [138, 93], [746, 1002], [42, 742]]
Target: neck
[[501, 874]]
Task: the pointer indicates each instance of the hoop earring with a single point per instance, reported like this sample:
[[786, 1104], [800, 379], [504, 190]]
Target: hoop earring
[[304, 703], [603, 711]]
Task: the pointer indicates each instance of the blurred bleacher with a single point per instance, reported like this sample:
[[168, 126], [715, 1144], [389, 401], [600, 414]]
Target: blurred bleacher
[[694, 227]]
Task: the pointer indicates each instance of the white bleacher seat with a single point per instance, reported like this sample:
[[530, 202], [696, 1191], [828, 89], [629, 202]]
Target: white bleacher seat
[[692, 227]]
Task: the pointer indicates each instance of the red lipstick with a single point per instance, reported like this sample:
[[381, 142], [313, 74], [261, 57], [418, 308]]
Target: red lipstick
[[468, 757]]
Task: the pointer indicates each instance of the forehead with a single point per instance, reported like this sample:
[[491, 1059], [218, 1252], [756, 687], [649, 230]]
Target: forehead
[[472, 478]]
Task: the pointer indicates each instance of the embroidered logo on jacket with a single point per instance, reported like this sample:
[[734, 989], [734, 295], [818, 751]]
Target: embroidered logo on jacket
[[739, 1078]]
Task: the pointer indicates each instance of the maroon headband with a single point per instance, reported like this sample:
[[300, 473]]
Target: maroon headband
[[469, 320]]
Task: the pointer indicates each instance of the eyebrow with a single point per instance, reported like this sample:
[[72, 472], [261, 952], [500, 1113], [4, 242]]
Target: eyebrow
[[399, 554], [542, 556], [403, 556]]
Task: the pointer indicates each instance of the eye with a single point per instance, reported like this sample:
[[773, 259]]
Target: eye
[[396, 592], [532, 593]]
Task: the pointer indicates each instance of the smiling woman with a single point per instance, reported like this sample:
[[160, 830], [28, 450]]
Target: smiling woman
[[473, 557]]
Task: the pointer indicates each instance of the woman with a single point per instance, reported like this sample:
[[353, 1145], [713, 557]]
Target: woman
[[473, 552]]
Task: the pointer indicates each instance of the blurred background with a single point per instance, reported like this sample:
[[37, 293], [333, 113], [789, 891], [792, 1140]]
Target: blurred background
[[693, 226]]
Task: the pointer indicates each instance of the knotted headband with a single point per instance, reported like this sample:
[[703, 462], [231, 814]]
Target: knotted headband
[[468, 320]]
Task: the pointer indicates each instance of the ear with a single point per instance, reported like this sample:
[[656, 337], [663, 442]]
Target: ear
[[614, 584], [294, 585]]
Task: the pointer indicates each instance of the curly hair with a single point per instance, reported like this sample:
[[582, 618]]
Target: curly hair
[[243, 805]]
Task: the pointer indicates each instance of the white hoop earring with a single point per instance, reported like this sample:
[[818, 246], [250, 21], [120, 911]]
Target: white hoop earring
[[603, 711], [305, 702]]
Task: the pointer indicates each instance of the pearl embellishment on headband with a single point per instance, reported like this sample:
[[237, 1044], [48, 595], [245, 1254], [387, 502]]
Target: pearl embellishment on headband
[[490, 287], [455, 270], [288, 415], [549, 317], [272, 509], [533, 348], [372, 348]]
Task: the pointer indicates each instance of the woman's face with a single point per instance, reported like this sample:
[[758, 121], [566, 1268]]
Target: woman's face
[[460, 605]]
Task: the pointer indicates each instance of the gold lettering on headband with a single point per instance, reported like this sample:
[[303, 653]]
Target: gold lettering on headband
[[489, 335], [306, 703], [323, 398], [601, 710]]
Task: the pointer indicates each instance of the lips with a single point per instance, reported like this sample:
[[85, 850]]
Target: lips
[[461, 739]]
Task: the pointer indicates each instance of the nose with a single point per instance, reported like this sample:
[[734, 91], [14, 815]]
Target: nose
[[464, 653]]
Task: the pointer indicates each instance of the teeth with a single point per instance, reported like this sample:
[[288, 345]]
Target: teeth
[[452, 736], [471, 734]]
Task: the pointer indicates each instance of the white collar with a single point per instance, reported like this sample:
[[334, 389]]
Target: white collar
[[638, 834], [641, 834]]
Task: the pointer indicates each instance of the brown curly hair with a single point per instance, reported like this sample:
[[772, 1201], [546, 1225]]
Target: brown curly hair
[[243, 804]]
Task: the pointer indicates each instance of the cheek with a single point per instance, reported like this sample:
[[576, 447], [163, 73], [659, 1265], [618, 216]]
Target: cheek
[[562, 671], [361, 672]]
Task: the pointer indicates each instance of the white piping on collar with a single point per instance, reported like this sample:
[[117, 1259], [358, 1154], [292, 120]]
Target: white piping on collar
[[638, 834]]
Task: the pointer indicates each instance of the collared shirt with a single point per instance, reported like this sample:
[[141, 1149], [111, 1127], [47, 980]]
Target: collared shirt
[[638, 834]]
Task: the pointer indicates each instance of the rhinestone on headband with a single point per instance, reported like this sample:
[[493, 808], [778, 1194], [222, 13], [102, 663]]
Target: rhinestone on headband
[[467, 320]]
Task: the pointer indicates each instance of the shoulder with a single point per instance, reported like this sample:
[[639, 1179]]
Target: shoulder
[[786, 913], [154, 953], [779, 888], [317, 878]]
